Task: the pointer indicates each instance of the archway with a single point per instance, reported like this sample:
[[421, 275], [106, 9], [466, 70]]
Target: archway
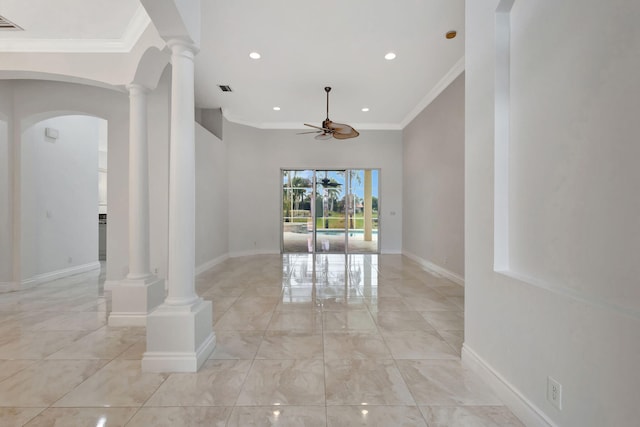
[[60, 164]]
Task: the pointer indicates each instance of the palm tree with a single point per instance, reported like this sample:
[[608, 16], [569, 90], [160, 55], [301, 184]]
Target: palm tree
[[299, 187], [332, 194]]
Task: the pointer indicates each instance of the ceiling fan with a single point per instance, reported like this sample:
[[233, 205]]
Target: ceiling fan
[[331, 129], [326, 182]]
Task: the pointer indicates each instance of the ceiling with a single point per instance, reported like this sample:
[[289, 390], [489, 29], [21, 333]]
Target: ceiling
[[68, 19], [305, 45]]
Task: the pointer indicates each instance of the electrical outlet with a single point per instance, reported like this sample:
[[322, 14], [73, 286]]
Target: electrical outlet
[[554, 393]]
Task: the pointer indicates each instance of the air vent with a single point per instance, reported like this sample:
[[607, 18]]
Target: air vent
[[225, 88], [5, 24]]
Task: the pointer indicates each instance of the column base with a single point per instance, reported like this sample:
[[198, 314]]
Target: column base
[[134, 299], [179, 338]]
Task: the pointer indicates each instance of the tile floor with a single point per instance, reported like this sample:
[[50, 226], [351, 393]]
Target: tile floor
[[363, 340]]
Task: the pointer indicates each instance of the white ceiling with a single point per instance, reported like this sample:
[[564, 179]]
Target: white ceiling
[[68, 19], [305, 46]]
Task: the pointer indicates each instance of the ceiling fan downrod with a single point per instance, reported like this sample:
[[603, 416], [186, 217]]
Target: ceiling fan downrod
[[327, 89]]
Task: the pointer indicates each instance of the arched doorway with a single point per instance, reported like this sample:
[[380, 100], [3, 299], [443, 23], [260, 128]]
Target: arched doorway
[[62, 158]]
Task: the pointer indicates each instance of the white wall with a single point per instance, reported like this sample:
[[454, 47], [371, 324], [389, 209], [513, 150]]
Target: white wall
[[211, 198], [575, 221], [573, 210], [59, 195], [433, 183], [255, 157]]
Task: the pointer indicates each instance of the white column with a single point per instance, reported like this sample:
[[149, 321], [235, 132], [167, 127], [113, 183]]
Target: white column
[[138, 184], [141, 292], [180, 336], [368, 203], [182, 178]]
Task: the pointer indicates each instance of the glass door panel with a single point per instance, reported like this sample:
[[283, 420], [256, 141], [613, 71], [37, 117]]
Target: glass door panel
[[330, 211], [362, 211], [297, 211]]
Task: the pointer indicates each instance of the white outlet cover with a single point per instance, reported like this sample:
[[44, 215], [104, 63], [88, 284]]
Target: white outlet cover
[[51, 133], [554, 392]]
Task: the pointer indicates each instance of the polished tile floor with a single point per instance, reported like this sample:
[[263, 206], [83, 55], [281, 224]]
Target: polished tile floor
[[362, 340]]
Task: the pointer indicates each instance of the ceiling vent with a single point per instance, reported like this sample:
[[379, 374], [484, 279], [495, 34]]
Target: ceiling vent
[[5, 24], [225, 88]]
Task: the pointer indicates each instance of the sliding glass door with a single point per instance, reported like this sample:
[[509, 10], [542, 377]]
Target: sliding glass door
[[297, 211], [330, 211], [363, 198]]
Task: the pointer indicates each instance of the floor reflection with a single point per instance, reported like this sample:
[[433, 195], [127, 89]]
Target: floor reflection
[[324, 340]]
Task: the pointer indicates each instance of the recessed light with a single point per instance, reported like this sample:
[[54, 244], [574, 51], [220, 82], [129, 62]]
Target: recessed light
[[254, 55], [276, 108], [451, 34], [365, 109], [389, 56]]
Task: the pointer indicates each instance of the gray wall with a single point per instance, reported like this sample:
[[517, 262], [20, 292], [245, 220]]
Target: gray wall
[[211, 198], [255, 157], [433, 183], [6, 170]]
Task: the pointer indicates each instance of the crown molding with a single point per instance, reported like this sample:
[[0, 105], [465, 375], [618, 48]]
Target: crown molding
[[444, 82], [301, 126], [138, 24]]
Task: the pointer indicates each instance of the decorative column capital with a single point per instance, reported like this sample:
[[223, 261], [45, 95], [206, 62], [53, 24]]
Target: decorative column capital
[[182, 48], [137, 89]]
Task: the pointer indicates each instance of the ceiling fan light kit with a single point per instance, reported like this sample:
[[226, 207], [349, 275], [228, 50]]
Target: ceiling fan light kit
[[330, 129]]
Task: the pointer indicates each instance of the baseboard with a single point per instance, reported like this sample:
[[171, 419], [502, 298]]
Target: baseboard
[[435, 268], [255, 252], [110, 284], [127, 319], [8, 287], [165, 361], [53, 275], [522, 407], [210, 264]]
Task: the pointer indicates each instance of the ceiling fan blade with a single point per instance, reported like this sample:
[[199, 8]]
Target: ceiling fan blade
[[317, 127], [311, 131], [341, 128], [345, 133], [323, 136]]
